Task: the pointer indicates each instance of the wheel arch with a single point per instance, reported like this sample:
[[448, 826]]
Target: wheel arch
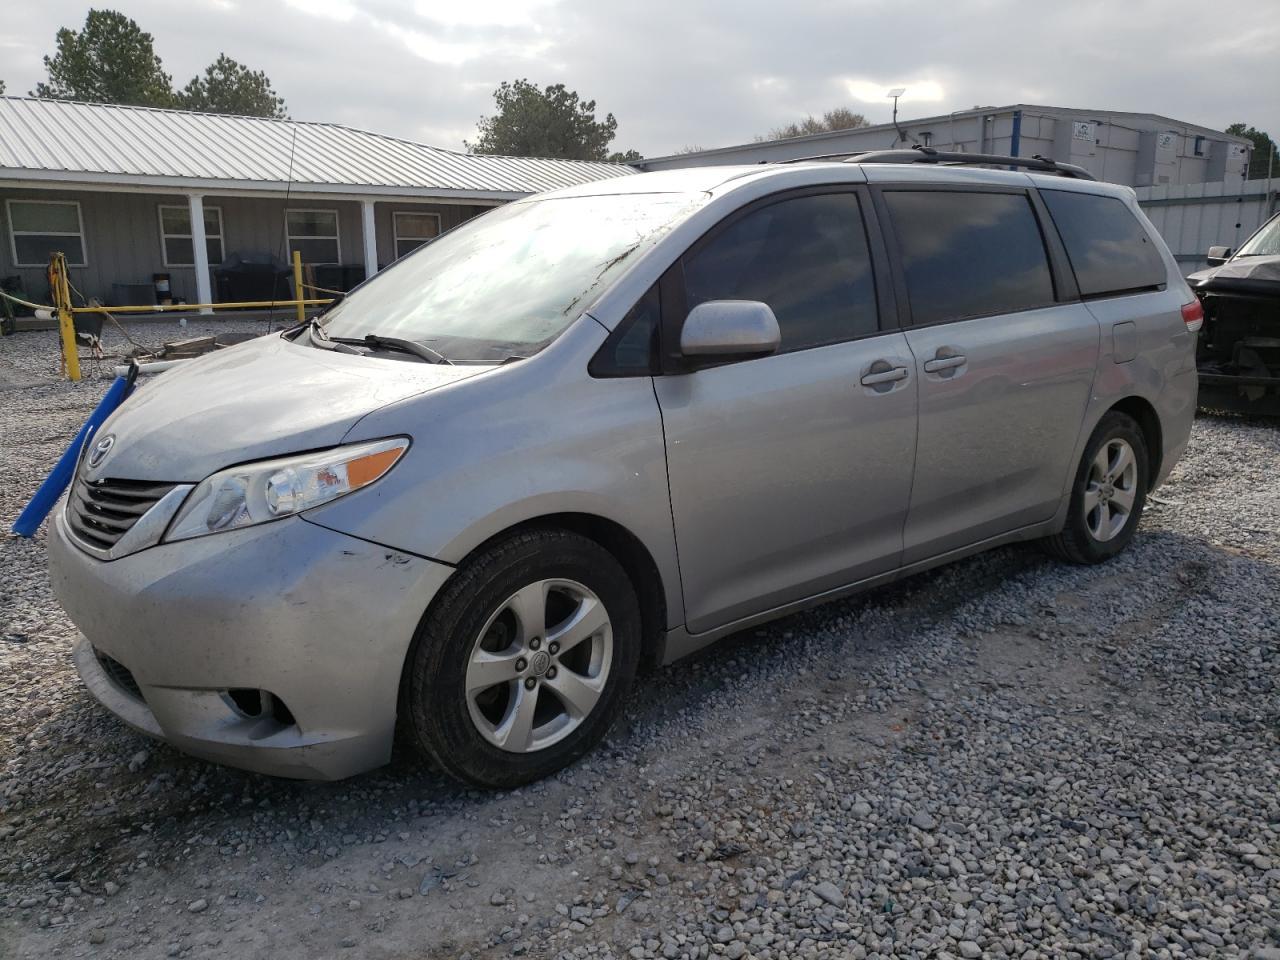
[[625, 547], [1142, 411], [642, 570]]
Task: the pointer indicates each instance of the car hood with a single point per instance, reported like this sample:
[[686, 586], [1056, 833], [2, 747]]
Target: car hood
[[264, 398], [1265, 269]]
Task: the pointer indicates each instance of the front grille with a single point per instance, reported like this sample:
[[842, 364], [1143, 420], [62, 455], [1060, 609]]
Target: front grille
[[120, 675], [100, 512]]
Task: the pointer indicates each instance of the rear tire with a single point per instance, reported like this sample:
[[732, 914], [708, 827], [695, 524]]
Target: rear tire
[[523, 661], [1107, 494]]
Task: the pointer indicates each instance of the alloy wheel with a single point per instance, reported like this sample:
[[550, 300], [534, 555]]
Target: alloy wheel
[[1110, 490], [539, 666]]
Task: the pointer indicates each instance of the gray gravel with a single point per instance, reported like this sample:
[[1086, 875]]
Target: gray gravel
[[1008, 757]]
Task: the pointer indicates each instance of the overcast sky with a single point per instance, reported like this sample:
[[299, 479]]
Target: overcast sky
[[685, 72]]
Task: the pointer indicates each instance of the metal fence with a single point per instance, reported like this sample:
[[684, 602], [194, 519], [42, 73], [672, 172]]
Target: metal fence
[[1196, 216]]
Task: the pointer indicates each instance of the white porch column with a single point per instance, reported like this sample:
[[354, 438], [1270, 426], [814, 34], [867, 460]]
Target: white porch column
[[370, 239], [204, 293]]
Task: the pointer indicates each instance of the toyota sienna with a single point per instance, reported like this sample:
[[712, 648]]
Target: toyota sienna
[[599, 428]]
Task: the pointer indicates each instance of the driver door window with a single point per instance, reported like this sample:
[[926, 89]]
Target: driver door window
[[806, 257]]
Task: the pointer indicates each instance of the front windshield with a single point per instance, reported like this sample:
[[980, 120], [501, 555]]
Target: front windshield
[[1264, 243], [507, 283]]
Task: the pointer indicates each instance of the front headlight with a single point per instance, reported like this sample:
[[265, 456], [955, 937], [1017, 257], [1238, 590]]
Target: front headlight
[[271, 489]]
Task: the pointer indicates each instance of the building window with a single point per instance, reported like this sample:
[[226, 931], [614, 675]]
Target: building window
[[926, 139], [1199, 147], [175, 236], [314, 234], [412, 230], [38, 228]]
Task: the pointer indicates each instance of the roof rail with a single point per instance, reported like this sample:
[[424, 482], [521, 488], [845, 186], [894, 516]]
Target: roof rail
[[929, 155]]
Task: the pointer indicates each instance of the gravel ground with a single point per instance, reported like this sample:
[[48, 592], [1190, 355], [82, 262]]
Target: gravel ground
[[1007, 757]]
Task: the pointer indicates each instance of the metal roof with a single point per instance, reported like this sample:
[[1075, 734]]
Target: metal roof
[[917, 122], [71, 142]]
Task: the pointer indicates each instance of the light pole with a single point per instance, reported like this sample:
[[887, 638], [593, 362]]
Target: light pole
[[896, 92]]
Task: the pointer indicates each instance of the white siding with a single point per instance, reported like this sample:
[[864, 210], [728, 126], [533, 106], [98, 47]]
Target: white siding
[[1194, 217]]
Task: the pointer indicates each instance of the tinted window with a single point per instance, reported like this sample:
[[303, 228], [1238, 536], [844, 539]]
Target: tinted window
[[969, 254], [632, 348], [806, 258], [1110, 252]]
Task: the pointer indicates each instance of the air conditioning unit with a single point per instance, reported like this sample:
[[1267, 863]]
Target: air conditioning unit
[[1227, 162], [1157, 158], [1075, 141]]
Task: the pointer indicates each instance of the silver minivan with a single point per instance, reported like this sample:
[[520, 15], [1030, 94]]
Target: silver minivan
[[599, 428]]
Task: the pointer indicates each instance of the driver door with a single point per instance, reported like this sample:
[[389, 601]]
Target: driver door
[[790, 474]]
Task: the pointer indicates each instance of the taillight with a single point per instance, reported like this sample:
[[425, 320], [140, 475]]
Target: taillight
[[1193, 315]]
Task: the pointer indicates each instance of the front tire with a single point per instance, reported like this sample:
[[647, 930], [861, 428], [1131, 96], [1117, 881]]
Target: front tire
[[1107, 495], [524, 660]]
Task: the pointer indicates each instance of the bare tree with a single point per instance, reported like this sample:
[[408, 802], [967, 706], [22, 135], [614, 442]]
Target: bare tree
[[840, 118]]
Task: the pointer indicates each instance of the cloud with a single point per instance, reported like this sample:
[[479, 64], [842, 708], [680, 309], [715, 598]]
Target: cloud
[[458, 52], [340, 10], [480, 13], [876, 91], [714, 72]]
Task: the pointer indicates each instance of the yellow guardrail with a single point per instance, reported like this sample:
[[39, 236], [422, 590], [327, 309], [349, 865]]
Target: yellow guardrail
[[172, 307], [62, 308]]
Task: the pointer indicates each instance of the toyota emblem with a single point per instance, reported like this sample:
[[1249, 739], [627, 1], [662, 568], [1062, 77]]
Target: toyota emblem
[[101, 449]]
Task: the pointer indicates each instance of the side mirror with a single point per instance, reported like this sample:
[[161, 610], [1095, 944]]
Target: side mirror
[[729, 330], [1217, 256]]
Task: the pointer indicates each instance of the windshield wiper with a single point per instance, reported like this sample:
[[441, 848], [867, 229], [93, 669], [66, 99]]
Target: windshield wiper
[[322, 340], [373, 341]]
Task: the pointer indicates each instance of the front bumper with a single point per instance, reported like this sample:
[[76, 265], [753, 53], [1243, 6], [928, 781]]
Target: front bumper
[[320, 620]]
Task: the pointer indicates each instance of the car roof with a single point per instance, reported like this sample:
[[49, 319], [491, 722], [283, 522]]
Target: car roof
[[682, 180], [712, 179]]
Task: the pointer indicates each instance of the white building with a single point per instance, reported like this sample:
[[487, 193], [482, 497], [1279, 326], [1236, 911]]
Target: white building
[[1137, 149], [125, 192]]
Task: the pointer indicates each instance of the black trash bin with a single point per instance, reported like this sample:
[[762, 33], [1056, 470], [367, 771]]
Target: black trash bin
[[330, 276], [132, 295], [252, 276]]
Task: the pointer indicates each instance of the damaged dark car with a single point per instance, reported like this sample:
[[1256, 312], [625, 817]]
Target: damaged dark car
[[1238, 355]]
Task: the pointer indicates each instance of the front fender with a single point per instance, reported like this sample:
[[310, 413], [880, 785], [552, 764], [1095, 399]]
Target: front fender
[[535, 438]]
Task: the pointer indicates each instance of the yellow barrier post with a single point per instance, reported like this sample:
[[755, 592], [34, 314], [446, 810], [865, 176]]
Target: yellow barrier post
[[65, 310], [297, 286], [62, 299]]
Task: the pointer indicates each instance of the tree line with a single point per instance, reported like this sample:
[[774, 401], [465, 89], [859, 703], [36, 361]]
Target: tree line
[[113, 60]]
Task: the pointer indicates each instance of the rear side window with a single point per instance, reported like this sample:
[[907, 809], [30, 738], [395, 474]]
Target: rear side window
[[806, 257], [969, 254], [1109, 250]]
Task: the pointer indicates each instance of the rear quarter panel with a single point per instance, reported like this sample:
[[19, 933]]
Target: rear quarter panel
[[1153, 359]]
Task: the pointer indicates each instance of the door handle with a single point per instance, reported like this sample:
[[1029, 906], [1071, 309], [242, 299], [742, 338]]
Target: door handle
[[938, 364], [884, 376]]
